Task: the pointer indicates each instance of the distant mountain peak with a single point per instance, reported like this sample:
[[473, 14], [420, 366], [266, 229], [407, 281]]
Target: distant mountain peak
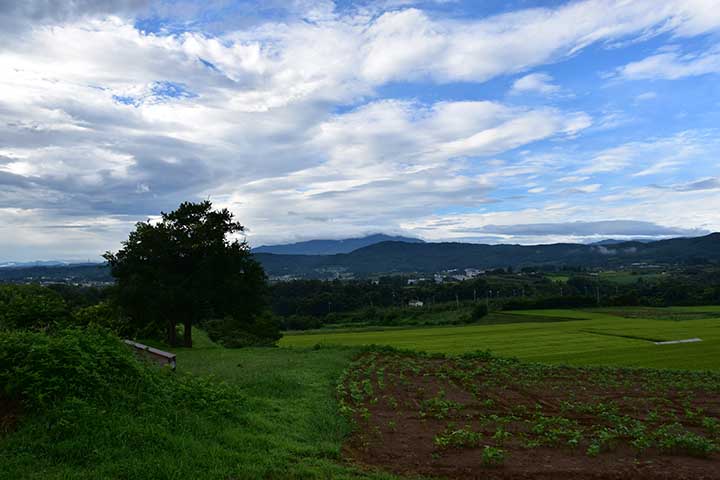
[[332, 247], [36, 263]]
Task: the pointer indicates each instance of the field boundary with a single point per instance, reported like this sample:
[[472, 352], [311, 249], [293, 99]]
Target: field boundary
[[621, 335]]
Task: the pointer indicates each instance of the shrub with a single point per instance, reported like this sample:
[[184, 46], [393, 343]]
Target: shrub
[[92, 366], [30, 307], [41, 369], [262, 330], [301, 322], [102, 315], [478, 312]]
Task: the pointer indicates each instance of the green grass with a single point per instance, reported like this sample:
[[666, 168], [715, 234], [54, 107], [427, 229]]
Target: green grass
[[558, 278], [593, 338], [288, 426]]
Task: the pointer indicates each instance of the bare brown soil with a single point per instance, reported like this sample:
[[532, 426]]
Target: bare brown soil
[[407, 407]]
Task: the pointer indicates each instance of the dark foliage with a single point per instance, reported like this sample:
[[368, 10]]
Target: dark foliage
[[185, 268], [30, 307], [263, 330], [41, 369], [479, 312]]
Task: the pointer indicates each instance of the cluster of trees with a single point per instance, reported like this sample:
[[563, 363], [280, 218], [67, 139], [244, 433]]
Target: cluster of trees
[[309, 304], [189, 268], [320, 298]]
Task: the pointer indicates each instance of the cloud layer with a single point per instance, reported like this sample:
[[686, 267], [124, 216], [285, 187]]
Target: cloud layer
[[337, 122]]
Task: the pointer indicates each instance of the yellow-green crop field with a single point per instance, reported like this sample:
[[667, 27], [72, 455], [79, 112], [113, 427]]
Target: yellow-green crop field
[[579, 337]]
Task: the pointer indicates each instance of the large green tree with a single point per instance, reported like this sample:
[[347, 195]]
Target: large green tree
[[188, 266]]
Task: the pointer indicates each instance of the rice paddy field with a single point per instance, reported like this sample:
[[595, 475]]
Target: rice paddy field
[[618, 337]]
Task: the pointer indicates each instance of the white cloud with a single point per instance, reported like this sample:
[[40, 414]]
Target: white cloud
[[671, 66], [389, 161], [558, 222], [653, 156], [514, 42], [643, 97], [100, 120], [535, 82]]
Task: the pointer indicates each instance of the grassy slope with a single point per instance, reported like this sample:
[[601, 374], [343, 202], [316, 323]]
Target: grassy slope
[[293, 427], [591, 340], [290, 428]]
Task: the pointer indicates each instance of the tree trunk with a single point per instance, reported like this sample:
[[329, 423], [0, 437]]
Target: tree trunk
[[187, 334], [171, 333]]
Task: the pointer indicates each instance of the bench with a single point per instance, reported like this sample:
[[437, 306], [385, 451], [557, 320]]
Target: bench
[[154, 354]]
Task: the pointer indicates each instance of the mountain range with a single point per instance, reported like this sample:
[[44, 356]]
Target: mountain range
[[37, 263], [331, 247], [402, 257], [416, 256]]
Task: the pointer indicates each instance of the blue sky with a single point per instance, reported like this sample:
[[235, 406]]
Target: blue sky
[[525, 122]]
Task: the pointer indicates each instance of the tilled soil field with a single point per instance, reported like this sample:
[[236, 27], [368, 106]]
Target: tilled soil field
[[478, 416]]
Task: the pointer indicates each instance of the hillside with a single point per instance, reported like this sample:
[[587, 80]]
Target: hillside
[[400, 257]]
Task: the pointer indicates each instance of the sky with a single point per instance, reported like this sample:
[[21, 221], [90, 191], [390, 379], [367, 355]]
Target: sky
[[499, 121]]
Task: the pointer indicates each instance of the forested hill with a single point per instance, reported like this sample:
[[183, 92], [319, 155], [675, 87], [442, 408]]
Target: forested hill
[[401, 257], [331, 247]]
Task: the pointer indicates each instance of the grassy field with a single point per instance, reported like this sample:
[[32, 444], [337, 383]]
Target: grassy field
[[559, 278], [581, 338]]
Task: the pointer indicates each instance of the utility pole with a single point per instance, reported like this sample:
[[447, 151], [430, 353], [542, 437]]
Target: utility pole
[[457, 301], [474, 295]]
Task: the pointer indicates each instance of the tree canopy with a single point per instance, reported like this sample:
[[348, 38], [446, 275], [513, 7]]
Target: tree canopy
[[187, 267]]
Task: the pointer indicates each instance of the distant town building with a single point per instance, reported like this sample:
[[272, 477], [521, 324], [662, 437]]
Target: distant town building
[[415, 303], [473, 272]]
